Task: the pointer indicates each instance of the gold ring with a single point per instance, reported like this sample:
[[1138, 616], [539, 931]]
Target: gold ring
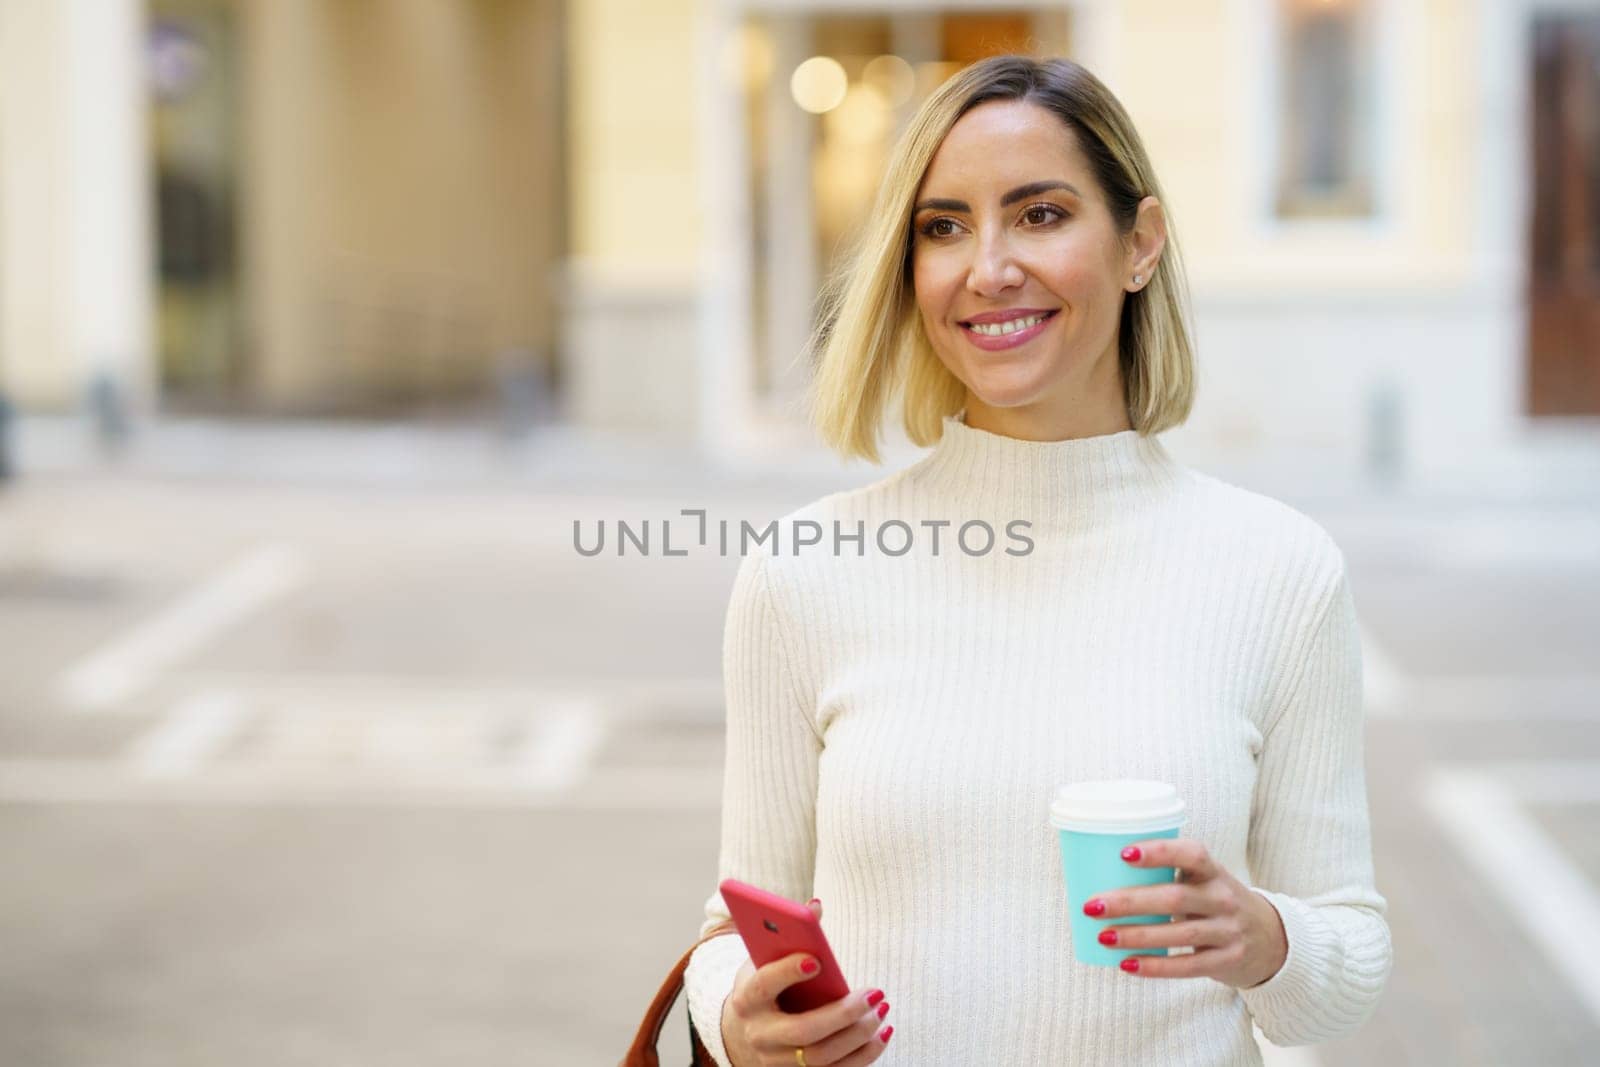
[[800, 1056]]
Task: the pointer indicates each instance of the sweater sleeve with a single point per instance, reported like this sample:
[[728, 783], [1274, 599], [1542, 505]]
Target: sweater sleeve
[[769, 783], [1310, 847]]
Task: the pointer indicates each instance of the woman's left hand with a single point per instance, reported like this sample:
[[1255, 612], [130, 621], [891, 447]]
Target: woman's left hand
[[1235, 932]]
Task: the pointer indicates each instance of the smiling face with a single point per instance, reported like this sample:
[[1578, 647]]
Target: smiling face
[[1020, 274]]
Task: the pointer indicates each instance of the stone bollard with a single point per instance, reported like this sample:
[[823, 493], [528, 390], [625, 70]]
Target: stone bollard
[[1385, 432], [109, 413], [8, 465]]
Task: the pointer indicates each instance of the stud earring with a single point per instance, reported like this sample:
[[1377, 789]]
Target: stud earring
[[1137, 279]]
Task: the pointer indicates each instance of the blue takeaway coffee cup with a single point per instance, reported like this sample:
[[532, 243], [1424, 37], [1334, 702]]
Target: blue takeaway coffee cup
[[1096, 821]]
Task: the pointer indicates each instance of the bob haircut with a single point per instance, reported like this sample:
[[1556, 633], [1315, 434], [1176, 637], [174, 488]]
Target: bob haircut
[[870, 341]]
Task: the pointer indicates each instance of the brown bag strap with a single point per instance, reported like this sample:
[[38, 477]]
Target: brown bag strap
[[643, 1053]]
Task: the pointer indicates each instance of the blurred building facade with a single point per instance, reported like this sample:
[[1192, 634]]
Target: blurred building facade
[[1390, 208], [310, 205], [1356, 184]]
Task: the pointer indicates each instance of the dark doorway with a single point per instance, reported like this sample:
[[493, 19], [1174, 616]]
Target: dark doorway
[[192, 66], [1564, 268]]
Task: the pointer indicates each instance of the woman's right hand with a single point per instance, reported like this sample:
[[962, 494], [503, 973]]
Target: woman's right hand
[[758, 1033]]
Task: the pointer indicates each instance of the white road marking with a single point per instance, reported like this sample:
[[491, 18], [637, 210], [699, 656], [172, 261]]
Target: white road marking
[[1555, 903], [196, 729], [404, 743], [129, 663], [1551, 783], [561, 744], [680, 699], [637, 789]]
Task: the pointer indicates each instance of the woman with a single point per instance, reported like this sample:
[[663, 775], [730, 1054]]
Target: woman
[[901, 708]]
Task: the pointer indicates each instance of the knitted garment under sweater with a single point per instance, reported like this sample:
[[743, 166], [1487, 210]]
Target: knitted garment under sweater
[[900, 711]]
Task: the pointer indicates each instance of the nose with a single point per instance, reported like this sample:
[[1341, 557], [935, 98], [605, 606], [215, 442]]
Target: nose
[[993, 268]]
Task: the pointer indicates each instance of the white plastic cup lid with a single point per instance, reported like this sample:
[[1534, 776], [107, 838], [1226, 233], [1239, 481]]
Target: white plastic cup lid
[[1125, 805]]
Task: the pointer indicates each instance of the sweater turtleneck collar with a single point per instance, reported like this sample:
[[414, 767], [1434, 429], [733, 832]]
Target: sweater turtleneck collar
[[1072, 476]]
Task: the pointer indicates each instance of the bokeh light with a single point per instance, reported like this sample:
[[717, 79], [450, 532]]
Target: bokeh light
[[819, 84], [892, 77]]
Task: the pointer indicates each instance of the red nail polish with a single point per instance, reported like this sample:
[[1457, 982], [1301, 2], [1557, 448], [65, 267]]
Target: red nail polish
[[1108, 937], [873, 998], [1095, 907], [1131, 965], [814, 900], [809, 966], [883, 1009], [885, 1034], [1132, 853]]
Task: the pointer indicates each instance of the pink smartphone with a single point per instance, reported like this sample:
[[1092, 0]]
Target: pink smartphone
[[774, 927]]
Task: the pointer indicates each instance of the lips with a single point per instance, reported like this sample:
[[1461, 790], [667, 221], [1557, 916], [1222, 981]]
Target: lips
[[989, 318], [992, 341], [1006, 326]]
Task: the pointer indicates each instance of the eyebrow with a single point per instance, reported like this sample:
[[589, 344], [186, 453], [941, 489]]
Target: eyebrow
[[1021, 191]]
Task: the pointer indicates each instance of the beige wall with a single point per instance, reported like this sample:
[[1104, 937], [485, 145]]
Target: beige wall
[[1445, 119], [634, 133], [632, 351], [36, 367], [75, 292], [1188, 78], [1183, 70], [401, 202]]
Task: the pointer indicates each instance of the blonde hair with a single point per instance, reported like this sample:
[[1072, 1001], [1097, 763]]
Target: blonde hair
[[870, 341]]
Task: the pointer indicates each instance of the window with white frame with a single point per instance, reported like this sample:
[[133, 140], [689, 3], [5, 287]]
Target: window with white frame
[[1325, 109]]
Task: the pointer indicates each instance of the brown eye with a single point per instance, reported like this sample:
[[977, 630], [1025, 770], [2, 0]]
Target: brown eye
[[1039, 214]]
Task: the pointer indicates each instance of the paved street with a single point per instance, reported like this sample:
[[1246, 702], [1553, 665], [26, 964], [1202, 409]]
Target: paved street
[[387, 773]]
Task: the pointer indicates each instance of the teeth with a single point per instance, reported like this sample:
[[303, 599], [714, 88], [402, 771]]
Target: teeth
[[1000, 329]]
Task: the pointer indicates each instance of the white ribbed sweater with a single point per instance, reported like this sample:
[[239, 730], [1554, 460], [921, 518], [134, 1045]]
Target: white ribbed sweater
[[896, 726]]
